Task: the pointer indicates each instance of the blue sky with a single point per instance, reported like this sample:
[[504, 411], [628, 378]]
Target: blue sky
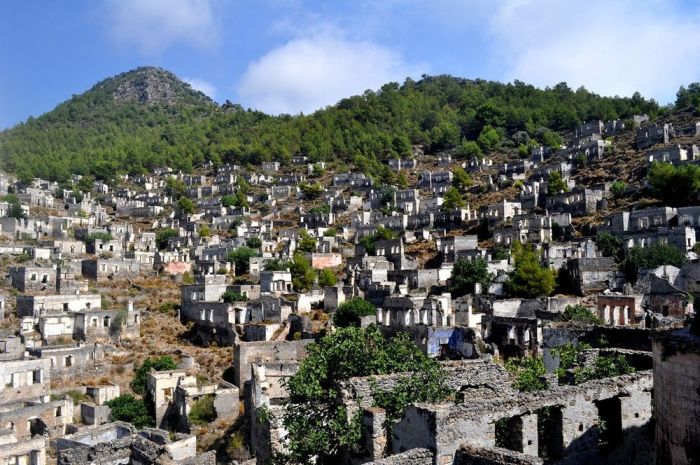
[[291, 56]]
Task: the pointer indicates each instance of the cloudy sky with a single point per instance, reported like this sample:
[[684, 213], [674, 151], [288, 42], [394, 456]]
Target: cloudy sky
[[291, 56]]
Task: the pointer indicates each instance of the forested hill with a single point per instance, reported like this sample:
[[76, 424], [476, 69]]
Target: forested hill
[[147, 118]]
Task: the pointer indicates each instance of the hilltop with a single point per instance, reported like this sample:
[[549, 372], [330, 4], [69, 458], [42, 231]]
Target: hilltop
[[149, 118]]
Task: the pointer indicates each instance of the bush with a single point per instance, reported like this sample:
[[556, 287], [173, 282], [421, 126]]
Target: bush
[[579, 313], [277, 265], [303, 275], [241, 259], [326, 277], [529, 374], [555, 183], [253, 242], [675, 185], [203, 411], [163, 363], [230, 297], [320, 429], [529, 278], [162, 237], [652, 256], [618, 188], [610, 245], [452, 199], [467, 273], [350, 312], [99, 235], [131, 410]]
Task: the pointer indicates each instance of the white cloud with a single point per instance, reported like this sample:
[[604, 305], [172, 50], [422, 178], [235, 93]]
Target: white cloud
[[203, 86], [309, 73], [608, 47], [154, 25]]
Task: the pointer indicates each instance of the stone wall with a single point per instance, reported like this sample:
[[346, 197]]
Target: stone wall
[[474, 455], [245, 353], [572, 415], [677, 397], [410, 457]]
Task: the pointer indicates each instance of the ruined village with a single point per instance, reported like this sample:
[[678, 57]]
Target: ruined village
[[201, 295]]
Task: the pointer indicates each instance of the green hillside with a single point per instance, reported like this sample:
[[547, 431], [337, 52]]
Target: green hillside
[[147, 118]]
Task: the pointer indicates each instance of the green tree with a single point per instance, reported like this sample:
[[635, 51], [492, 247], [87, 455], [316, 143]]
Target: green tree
[[452, 199], [185, 206], [175, 187], [326, 278], [203, 411], [253, 242], [131, 410], [311, 191], [307, 243], [241, 259], [618, 188], [489, 138], [204, 231], [467, 273], [610, 245], [652, 256], [556, 184], [469, 149], [320, 428], [303, 275], [99, 235], [675, 185], [350, 312], [162, 237], [529, 278], [380, 234], [529, 373], [230, 297], [276, 264], [461, 179], [580, 314], [164, 363]]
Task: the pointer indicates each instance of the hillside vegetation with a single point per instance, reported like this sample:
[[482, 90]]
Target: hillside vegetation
[[148, 118]]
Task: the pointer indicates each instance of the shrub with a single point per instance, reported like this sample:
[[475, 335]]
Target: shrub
[[162, 237], [529, 373], [675, 185], [618, 188], [579, 313], [230, 297], [253, 242], [350, 311], [652, 256], [529, 278], [131, 410], [163, 363], [326, 277], [203, 411], [467, 273]]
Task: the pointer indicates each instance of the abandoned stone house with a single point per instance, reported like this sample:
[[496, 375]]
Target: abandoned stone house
[[71, 360], [579, 201], [674, 154], [173, 393], [588, 275], [399, 164], [120, 443], [28, 305], [650, 135], [33, 279], [527, 229], [101, 268]]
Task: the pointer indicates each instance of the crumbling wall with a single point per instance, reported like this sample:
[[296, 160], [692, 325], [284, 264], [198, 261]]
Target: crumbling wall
[[475, 455], [245, 353], [677, 397]]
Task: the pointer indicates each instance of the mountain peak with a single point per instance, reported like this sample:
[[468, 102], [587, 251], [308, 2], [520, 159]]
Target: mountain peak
[[150, 85]]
